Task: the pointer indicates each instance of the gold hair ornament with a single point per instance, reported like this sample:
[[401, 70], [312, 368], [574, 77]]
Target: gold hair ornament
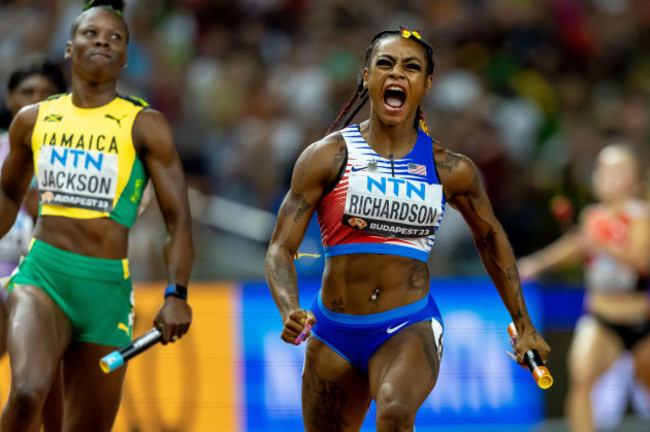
[[407, 33]]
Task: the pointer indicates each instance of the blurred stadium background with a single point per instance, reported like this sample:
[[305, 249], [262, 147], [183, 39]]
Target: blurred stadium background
[[531, 90]]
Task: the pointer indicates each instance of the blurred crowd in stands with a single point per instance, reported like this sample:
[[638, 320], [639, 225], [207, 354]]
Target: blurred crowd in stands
[[529, 90]]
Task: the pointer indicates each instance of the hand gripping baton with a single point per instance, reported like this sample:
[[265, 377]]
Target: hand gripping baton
[[303, 334], [534, 362], [114, 360]]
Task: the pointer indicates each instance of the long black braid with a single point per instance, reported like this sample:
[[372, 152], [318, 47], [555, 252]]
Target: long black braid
[[360, 96], [116, 6]]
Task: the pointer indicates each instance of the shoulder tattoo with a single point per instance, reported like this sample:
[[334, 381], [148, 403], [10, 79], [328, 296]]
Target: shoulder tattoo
[[451, 161], [340, 157]]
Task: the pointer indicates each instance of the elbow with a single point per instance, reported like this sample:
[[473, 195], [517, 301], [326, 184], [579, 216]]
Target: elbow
[[276, 249], [191, 254], [275, 252], [485, 239]]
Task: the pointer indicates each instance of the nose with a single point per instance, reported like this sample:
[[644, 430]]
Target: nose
[[396, 71], [101, 39]]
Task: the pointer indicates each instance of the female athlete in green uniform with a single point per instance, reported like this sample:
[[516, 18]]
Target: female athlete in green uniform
[[71, 301]]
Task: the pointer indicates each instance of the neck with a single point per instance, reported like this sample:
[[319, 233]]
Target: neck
[[616, 206], [86, 94], [386, 140]]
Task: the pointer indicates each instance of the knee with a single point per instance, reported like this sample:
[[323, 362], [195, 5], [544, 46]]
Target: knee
[[394, 413], [27, 398], [581, 378], [643, 374]]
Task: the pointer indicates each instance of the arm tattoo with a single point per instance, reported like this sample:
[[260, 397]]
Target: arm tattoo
[[512, 274], [282, 276], [419, 279], [338, 168], [451, 161], [295, 204], [518, 315], [479, 198], [340, 157], [337, 305]]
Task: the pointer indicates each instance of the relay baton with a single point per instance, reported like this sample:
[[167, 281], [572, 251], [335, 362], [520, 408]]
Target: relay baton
[[112, 361], [534, 362], [303, 334]]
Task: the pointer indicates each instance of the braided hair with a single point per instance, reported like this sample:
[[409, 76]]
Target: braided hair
[[116, 6], [360, 96]]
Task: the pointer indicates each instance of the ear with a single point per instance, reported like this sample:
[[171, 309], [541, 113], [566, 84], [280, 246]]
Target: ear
[[427, 84], [364, 77], [68, 50]]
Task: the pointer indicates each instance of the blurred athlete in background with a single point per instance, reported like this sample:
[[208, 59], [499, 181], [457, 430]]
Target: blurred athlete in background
[[613, 242]]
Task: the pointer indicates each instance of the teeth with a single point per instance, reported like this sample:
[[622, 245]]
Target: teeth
[[395, 88]]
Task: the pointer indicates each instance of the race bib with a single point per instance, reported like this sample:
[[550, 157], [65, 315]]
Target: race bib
[[77, 178], [392, 206]]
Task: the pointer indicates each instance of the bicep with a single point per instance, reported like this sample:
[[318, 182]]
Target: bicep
[[299, 205], [18, 168], [156, 145], [472, 202], [293, 219]]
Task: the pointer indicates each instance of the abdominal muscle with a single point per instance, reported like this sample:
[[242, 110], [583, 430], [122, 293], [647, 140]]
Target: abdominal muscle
[[349, 282], [628, 308], [100, 238]]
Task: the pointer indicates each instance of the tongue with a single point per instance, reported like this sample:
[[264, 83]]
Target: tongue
[[394, 101]]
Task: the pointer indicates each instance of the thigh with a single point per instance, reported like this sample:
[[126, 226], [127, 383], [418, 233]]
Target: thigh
[[593, 350], [3, 321], [405, 368], [38, 333], [335, 395], [91, 397], [52, 414], [641, 353]]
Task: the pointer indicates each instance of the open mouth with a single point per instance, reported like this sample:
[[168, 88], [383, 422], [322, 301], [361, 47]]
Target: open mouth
[[394, 97]]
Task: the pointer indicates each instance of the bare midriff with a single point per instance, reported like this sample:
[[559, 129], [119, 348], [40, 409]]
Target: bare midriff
[[630, 308], [100, 238], [361, 284]]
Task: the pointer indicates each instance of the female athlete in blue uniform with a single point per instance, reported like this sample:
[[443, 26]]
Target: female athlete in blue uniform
[[379, 189]]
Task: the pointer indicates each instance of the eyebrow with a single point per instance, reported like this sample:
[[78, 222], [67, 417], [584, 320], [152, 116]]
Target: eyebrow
[[407, 59], [94, 26]]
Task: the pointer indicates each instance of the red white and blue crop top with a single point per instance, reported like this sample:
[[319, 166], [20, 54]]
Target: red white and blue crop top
[[383, 206]]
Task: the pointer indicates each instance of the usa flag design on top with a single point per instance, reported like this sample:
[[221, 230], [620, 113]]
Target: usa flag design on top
[[383, 206]]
